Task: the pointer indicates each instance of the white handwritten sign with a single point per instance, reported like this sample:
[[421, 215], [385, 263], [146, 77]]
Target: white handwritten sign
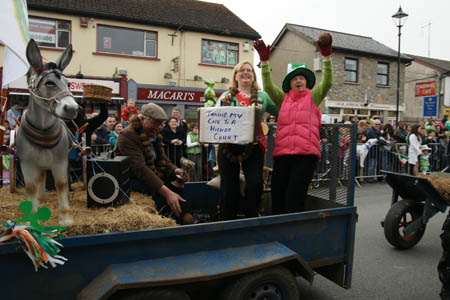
[[229, 124]]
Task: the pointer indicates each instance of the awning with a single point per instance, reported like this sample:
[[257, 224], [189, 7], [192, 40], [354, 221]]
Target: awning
[[114, 100]]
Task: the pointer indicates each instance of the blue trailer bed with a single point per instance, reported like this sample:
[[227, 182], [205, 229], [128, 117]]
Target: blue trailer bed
[[211, 255]]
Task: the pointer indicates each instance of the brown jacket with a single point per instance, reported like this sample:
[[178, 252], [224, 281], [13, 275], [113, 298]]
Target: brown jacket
[[133, 142]]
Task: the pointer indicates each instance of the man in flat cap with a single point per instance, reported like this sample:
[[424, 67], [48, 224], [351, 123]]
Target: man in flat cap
[[151, 172]]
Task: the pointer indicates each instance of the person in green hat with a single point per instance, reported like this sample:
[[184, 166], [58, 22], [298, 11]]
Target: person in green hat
[[297, 143]]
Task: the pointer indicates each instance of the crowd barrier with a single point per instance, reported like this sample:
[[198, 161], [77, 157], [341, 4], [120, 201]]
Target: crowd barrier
[[379, 158], [367, 169]]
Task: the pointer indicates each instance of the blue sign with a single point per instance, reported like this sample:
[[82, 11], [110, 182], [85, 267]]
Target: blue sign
[[430, 106]]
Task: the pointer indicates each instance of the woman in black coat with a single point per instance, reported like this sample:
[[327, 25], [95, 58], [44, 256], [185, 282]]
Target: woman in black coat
[[175, 140]]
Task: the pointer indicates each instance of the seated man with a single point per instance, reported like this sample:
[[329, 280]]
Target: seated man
[[151, 172]]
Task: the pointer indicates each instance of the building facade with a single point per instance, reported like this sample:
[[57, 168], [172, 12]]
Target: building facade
[[427, 88], [153, 51], [365, 71]]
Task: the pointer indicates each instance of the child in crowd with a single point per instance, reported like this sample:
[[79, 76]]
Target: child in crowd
[[194, 153], [403, 159], [424, 160], [131, 103]]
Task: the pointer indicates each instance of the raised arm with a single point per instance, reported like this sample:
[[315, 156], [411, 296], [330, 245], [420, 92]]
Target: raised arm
[[274, 92], [324, 43]]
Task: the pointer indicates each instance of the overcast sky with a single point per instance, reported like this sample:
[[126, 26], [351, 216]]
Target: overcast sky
[[361, 17]]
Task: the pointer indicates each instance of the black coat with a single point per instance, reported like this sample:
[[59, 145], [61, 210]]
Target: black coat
[[174, 152]]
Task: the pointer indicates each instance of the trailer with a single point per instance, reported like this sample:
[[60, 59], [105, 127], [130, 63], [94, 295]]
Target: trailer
[[240, 259]]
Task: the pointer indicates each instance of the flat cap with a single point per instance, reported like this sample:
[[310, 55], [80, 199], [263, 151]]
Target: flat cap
[[153, 111]]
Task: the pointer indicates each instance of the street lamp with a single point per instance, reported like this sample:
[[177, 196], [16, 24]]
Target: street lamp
[[399, 19]]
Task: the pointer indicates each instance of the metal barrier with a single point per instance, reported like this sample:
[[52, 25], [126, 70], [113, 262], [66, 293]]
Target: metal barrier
[[394, 158], [335, 159], [204, 163], [378, 159]]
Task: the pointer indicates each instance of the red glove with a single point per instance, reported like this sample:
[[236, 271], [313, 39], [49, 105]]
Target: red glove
[[263, 50], [324, 42]]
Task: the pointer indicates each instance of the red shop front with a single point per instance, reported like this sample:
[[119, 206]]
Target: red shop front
[[187, 99]]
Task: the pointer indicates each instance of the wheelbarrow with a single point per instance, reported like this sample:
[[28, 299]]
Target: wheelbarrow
[[407, 219]]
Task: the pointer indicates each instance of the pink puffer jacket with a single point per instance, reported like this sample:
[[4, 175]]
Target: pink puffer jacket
[[298, 125]]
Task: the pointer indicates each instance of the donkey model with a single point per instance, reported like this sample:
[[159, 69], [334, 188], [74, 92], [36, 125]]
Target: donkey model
[[43, 141]]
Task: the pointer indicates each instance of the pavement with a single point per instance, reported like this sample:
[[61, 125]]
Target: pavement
[[380, 271]]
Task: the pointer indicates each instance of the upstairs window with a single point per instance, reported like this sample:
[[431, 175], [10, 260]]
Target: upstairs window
[[383, 74], [351, 70], [219, 53], [125, 41], [50, 33]]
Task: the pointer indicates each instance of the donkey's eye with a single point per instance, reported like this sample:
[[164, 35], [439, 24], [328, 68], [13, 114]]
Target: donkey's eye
[[50, 83]]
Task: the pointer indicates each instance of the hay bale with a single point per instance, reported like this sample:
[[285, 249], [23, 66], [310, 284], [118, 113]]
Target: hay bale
[[441, 182], [89, 221]]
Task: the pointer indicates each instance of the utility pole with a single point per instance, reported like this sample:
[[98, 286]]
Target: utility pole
[[429, 35]]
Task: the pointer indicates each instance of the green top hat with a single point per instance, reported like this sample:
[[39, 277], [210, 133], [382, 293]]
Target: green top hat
[[298, 69]]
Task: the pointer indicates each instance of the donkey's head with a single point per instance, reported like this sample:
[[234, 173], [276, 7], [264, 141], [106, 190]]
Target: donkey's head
[[47, 84]]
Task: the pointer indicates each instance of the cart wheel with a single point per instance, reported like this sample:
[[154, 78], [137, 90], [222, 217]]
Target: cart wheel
[[400, 215], [276, 283]]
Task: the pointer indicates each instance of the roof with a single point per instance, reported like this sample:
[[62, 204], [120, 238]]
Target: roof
[[178, 14], [343, 41], [443, 65]]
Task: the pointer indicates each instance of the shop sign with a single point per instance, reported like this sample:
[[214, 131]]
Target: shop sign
[[430, 106], [446, 111], [171, 95], [76, 85], [424, 89], [345, 104], [43, 31]]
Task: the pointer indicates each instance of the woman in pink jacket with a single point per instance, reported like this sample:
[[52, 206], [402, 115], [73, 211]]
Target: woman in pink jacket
[[297, 145]]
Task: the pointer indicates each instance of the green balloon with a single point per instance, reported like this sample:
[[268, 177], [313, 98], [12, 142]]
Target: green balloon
[[447, 125]]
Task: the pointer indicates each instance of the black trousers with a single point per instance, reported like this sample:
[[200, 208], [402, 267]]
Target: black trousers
[[444, 262], [230, 197], [291, 178]]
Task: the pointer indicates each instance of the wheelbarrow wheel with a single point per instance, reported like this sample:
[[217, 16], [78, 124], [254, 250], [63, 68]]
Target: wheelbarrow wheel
[[276, 283], [400, 215]]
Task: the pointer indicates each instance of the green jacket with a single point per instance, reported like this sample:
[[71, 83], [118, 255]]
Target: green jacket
[[195, 149], [318, 93]]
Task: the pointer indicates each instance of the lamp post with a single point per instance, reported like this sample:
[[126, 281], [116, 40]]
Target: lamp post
[[399, 19]]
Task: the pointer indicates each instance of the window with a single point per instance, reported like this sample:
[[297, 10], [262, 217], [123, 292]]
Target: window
[[383, 74], [334, 110], [348, 111], [126, 41], [219, 53], [351, 70], [50, 33], [363, 112], [392, 114]]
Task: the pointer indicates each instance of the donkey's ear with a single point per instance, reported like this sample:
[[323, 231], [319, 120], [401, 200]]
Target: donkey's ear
[[34, 55], [64, 60]]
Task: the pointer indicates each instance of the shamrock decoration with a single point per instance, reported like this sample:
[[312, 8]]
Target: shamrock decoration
[[37, 240], [42, 214]]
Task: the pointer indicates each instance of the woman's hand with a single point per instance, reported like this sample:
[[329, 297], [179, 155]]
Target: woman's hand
[[324, 43], [263, 50], [226, 100]]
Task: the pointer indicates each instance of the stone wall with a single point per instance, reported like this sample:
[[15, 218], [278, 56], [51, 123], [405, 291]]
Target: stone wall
[[366, 87]]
